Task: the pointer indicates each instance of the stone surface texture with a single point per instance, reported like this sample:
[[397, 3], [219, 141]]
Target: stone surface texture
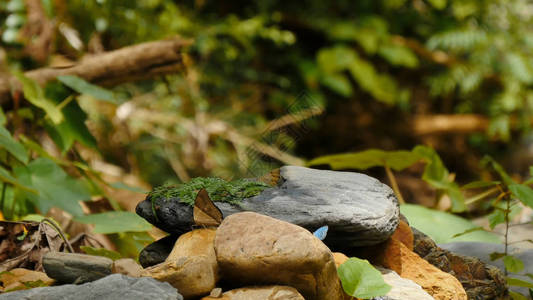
[[480, 280], [274, 292], [113, 287], [75, 267], [358, 209], [126, 266], [256, 249], [439, 284], [192, 266], [157, 252]]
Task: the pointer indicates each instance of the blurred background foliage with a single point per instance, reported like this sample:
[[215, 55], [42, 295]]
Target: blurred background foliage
[[265, 83]]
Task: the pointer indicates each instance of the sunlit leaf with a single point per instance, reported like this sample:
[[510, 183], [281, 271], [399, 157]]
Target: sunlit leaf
[[35, 95], [496, 255], [338, 83], [523, 192], [114, 255], [115, 221], [513, 264], [519, 282], [360, 279], [438, 4], [83, 87], [396, 160], [496, 217], [517, 296], [399, 56]]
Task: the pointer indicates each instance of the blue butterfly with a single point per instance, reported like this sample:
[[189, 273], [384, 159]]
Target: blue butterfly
[[321, 232]]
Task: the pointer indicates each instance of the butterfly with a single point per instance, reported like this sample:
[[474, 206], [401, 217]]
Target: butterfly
[[205, 212], [321, 232], [271, 178]]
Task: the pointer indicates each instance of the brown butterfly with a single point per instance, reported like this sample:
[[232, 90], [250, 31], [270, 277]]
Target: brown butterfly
[[271, 178], [205, 212]]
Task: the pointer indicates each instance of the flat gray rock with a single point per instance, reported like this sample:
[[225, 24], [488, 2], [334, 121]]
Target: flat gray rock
[[358, 209], [113, 287], [75, 267]]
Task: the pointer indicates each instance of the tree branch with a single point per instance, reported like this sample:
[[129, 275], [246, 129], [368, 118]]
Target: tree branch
[[126, 64]]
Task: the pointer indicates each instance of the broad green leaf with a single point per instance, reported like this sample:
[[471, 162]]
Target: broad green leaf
[[479, 184], [438, 4], [519, 282], [496, 217], [55, 187], [5, 176], [442, 226], [397, 160], [114, 255], [360, 279], [83, 87], [523, 192], [338, 83], [517, 296], [130, 244], [35, 95], [123, 186], [332, 60], [496, 255], [12, 146], [513, 264], [115, 221], [399, 56]]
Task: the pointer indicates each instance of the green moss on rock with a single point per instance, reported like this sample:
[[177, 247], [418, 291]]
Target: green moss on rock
[[217, 188]]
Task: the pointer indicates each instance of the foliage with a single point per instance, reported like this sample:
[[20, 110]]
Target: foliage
[[101, 252], [218, 190], [360, 279]]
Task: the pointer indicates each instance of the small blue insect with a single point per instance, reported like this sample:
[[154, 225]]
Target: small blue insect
[[321, 232]]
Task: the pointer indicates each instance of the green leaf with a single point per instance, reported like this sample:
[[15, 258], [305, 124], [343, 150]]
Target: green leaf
[[442, 226], [35, 95], [3, 119], [83, 87], [397, 160], [438, 4], [332, 60], [55, 187], [5, 176], [479, 184], [517, 296], [72, 129], [114, 255], [523, 192], [12, 146], [338, 83], [513, 264], [399, 56], [496, 255], [487, 160], [122, 186], [360, 279], [496, 217], [469, 231], [519, 282], [130, 244], [115, 221]]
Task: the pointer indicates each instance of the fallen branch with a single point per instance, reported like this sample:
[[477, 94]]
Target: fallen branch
[[441, 124], [126, 64]]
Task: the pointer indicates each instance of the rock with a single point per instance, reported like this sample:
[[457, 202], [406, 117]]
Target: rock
[[126, 266], [480, 280], [440, 285], [17, 279], [404, 234], [339, 258], [256, 249], [157, 252], [113, 287], [358, 209], [274, 292], [192, 266], [75, 268], [402, 288], [482, 251]]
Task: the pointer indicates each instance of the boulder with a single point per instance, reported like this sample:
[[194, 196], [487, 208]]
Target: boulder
[[256, 249], [126, 266], [157, 252], [440, 285], [113, 287], [480, 280], [273, 292], [75, 267], [358, 209], [192, 266]]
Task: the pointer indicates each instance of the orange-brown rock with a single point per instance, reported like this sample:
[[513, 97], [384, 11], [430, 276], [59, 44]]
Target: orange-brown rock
[[191, 267], [18, 279], [274, 292], [339, 258], [404, 234], [256, 249], [127, 266], [441, 285]]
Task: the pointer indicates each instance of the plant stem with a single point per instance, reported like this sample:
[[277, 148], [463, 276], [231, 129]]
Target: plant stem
[[481, 195], [394, 185], [507, 211], [4, 187]]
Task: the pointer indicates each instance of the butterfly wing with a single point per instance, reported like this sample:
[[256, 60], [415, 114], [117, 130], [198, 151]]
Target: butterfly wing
[[321, 232], [205, 212], [271, 178]]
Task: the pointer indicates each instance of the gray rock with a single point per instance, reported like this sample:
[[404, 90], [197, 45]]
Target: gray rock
[[358, 209], [75, 267], [483, 251], [116, 286], [402, 288]]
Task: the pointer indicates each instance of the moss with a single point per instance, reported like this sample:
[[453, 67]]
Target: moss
[[217, 188]]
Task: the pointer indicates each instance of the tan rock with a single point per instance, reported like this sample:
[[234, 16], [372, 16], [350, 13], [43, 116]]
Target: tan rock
[[339, 258], [441, 285], [274, 292], [127, 266], [18, 279], [256, 249], [192, 266], [404, 234]]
